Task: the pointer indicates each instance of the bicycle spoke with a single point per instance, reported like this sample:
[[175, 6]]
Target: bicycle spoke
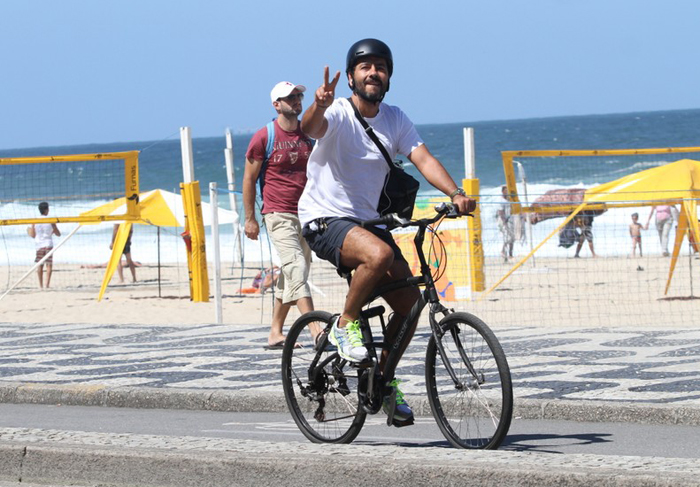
[[475, 412], [320, 389]]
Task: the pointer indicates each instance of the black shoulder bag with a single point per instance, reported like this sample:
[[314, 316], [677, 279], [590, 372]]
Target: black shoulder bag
[[400, 188]]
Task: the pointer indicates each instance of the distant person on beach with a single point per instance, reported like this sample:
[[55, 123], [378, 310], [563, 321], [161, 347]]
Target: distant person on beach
[[126, 253], [584, 222], [346, 174], [43, 233], [506, 225], [636, 234], [282, 176], [665, 216], [569, 235]]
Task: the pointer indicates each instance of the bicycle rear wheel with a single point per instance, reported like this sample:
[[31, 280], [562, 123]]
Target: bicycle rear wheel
[[476, 411], [319, 386]]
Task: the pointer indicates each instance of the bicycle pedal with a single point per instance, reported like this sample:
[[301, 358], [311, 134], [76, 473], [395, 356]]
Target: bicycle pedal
[[365, 364], [400, 424]]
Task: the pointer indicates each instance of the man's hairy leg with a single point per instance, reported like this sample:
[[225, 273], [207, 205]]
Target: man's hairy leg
[[371, 258], [401, 302]]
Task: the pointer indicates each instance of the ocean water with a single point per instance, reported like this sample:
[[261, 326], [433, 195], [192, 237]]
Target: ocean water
[[160, 167]]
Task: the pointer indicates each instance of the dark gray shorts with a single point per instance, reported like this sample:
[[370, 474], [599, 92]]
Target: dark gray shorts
[[325, 236]]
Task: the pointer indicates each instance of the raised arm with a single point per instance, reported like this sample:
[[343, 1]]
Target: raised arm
[[313, 123], [437, 175]]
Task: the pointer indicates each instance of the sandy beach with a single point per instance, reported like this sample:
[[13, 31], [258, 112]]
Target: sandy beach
[[561, 292]]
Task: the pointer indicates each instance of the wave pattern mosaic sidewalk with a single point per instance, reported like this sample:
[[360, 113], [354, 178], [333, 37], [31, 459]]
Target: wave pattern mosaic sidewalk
[[619, 365]]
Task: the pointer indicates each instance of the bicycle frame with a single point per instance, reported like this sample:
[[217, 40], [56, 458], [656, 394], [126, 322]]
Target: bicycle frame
[[428, 295], [467, 377]]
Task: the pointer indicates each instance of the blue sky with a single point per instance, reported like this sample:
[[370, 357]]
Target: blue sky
[[85, 71]]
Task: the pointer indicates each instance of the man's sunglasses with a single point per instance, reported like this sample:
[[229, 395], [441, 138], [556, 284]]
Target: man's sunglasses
[[293, 97]]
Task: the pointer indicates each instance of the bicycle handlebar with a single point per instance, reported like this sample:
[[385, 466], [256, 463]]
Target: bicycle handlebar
[[392, 220]]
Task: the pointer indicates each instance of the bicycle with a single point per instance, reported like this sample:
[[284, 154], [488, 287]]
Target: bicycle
[[466, 372]]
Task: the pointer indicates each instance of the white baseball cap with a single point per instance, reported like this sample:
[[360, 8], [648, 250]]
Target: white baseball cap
[[284, 88]]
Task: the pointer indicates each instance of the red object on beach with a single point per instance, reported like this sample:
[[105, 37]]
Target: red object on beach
[[188, 240]]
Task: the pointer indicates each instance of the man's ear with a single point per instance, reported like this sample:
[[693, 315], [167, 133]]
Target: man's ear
[[351, 82]]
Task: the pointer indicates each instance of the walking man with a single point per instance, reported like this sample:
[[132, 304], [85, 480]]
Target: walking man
[[346, 176], [281, 169]]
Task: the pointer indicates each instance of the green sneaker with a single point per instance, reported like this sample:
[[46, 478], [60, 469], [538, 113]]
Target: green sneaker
[[349, 341], [402, 412]]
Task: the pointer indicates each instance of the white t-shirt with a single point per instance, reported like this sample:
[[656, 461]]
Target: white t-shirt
[[44, 232], [346, 170]]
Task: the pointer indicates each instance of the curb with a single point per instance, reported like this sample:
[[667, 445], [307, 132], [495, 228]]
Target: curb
[[242, 401], [39, 456]]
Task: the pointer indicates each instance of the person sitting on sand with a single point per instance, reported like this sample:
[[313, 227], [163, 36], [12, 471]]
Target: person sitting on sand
[[263, 281]]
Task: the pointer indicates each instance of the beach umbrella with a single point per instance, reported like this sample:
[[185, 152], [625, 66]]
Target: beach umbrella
[[157, 207], [557, 203], [160, 208]]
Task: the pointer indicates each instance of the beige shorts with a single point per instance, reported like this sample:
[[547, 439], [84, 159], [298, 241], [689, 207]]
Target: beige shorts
[[284, 230]]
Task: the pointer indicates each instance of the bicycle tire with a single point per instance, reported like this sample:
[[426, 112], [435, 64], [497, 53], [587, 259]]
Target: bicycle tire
[[478, 416], [326, 409]]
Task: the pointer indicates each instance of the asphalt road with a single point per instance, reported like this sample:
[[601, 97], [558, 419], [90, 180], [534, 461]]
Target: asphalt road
[[543, 436]]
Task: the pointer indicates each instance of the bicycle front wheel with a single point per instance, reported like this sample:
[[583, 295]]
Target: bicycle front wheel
[[473, 409], [319, 386]]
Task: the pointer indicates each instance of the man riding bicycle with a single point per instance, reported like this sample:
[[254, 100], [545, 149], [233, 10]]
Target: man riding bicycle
[[346, 175]]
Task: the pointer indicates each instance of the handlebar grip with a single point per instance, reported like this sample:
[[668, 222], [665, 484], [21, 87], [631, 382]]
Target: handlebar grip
[[450, 211], [388, 219]]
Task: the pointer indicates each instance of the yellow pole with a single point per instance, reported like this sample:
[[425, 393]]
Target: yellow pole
[[197, 256], [476, 248]]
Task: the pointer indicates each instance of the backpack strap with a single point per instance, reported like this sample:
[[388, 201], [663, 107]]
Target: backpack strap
[[268, 152], [270, 140]]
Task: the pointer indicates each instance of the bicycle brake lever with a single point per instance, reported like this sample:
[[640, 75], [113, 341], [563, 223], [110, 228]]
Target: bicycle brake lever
[[399, 220]]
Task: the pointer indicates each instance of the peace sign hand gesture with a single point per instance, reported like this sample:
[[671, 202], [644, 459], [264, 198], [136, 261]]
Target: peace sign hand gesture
[[325, 94]]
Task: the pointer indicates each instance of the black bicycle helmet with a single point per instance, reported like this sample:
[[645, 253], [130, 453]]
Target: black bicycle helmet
[[369, 47]]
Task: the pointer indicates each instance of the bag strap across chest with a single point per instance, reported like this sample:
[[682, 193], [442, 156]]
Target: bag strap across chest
[[372, 135]]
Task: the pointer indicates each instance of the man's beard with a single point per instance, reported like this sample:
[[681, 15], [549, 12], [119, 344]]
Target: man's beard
[[290, 112], [370, 97]]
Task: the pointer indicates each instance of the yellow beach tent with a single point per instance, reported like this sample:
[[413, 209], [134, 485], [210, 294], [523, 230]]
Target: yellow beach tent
[[161, 208], [158, 207], [675, 183]]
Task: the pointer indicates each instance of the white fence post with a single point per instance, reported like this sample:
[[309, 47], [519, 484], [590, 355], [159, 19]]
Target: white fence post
[[214, 205], [231, 177], [187, 158]]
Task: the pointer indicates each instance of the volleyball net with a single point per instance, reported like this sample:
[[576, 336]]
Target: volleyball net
[[70, 184], [540, 272], [550, 288], [530, 175]]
